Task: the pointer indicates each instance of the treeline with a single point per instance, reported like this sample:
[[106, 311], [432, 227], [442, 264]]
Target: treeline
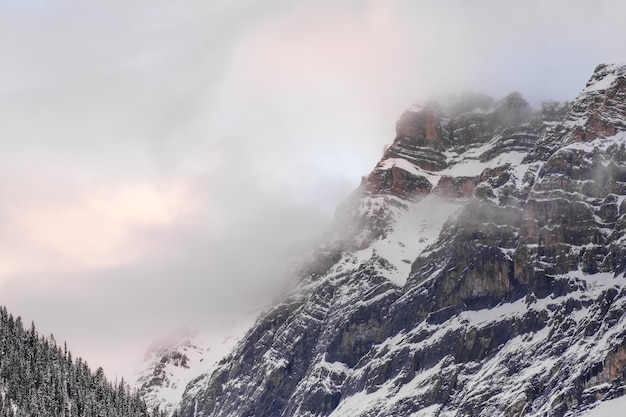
[[40, 379]]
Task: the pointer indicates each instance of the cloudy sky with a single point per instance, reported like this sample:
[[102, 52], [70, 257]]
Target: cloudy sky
[[159, 156]]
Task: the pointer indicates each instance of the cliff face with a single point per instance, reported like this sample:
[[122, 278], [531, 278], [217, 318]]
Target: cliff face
[[477, 271]]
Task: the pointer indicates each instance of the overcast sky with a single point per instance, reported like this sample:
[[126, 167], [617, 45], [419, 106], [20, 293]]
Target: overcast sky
[[158, 156]]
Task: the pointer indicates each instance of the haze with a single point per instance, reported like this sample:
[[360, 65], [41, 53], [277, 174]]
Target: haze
[[159, 158]]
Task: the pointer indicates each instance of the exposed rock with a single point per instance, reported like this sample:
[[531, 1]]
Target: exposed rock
[[397, 181], [453, 187], [514, 308]]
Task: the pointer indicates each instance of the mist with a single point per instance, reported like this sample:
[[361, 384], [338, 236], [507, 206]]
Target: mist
[[161, 158]]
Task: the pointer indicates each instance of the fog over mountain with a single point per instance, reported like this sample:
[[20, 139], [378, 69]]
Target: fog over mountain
[[160, 158]]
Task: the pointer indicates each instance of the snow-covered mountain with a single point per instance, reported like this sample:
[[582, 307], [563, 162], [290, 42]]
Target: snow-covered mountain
[[171, 363], [477, 271]]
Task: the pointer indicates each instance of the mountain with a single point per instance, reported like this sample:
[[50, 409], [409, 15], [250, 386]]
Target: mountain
[[171, 363], [39, 378], [168, 366], [478, 270]]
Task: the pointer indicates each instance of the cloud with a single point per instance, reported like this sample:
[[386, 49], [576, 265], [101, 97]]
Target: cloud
[[159, 157], [95, 227]]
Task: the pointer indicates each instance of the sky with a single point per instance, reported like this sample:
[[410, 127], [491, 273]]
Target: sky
[[161, 159]]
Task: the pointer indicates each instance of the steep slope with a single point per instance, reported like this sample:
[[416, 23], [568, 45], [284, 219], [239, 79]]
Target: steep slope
[[38, 378], [171, 363], [168, 367], [477, 271]]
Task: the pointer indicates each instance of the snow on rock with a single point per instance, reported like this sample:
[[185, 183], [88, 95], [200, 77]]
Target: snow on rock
[[171, 363], [605, 77], [414, 230], [477, 271]]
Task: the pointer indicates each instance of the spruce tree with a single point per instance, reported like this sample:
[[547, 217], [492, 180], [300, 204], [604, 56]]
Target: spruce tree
[[39, 378]]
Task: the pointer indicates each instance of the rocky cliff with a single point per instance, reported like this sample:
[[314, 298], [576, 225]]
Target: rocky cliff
[[477, 271]]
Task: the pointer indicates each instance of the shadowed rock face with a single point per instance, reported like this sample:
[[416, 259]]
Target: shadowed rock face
[[571, 213], [514, 307], [453, 187]]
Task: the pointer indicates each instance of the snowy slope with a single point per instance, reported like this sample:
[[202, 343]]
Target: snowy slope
[[610, 408], [416, 226], [170, 364]]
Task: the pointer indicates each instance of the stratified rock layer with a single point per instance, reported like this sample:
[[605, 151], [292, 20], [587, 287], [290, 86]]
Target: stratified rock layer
[[477, 271]]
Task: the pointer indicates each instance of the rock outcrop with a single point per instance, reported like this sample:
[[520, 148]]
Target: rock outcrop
[[163, 377], [478, 271]]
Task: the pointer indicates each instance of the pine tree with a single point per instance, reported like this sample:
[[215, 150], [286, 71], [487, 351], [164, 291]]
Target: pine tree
[[39, 378]]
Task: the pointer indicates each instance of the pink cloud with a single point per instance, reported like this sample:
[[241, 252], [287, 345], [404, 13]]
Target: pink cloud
[[97, 227]]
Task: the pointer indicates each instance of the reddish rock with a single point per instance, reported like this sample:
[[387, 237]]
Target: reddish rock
[[424, 124], [594, 128], [419, 136], [396, 181], [455, 187]]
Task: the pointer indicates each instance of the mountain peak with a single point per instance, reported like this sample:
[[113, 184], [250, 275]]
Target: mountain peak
[[599, 111], [605, 76], [429, 152], [479, 272]]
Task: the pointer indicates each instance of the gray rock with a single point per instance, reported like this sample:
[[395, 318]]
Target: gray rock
[[516, 308]]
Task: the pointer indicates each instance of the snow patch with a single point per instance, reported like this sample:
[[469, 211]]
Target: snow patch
[[473, 167], [611, 408], [404, 244], [410, 168], [602, 84]]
